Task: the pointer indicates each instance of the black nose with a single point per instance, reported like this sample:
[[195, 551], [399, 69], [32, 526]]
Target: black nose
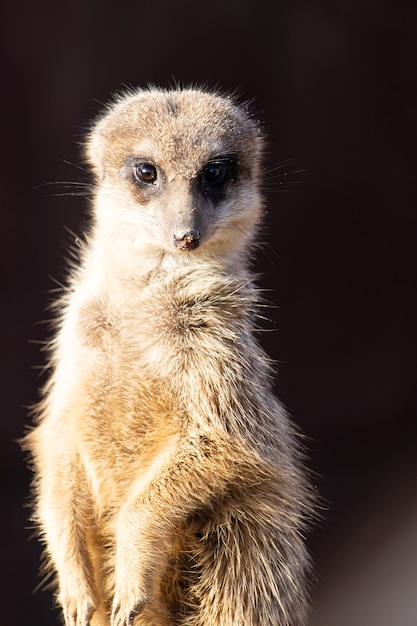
[[189, 241]]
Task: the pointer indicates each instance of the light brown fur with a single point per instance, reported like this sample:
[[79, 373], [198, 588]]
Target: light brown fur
[[169, 484]]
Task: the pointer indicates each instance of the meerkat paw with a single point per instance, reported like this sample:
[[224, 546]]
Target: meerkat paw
[[78, 611], [126, 606]]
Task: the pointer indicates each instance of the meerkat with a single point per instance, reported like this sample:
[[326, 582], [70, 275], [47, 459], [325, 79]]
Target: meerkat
[[169, 481]]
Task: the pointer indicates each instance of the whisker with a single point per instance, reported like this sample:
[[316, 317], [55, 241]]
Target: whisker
[[76, 165], [286, 176], [70, 188]]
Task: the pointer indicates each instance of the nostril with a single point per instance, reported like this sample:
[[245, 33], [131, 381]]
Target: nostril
[[188, 241]]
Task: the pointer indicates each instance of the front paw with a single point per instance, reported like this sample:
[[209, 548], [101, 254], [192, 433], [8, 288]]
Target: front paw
[[124, 612], [133, 584], [77, 610], [131, 594]]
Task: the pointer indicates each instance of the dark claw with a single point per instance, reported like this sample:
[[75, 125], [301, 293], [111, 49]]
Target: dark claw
[[135, 612]]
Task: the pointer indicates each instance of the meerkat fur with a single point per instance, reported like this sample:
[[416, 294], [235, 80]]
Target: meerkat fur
[[169, 484]]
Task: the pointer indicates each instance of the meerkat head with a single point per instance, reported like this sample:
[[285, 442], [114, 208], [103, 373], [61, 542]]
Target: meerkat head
[[177, 172]]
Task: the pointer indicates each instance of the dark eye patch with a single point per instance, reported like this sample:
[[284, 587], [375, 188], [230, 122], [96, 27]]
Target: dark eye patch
[[215, 177]]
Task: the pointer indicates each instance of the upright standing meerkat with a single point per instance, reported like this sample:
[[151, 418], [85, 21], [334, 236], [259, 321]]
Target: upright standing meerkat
[[169, 483]]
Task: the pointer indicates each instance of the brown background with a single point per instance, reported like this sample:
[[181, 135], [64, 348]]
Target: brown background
[[335, 83]]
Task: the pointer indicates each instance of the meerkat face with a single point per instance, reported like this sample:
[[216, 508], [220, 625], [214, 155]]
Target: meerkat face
[[177, 171]]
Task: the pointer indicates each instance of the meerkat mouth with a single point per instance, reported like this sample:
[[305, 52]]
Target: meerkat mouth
[[189, 241]]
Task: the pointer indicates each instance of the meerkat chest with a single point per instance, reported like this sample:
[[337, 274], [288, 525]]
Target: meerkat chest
[[160, 331], [153, 353]]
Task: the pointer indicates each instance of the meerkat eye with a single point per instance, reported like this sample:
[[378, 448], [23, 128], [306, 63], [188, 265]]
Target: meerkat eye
[[214, 178], [215, 173], [145, 172]]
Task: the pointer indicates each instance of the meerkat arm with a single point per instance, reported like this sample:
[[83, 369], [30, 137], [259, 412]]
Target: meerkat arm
[[205, 470], [196, 472], [64, 512]]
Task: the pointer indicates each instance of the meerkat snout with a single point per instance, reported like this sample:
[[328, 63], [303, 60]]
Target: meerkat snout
[[188, 241]]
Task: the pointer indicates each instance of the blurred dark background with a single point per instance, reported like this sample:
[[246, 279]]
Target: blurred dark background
[[335, 83]]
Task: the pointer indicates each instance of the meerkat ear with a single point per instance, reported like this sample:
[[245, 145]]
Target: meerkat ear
[[103, 128], [94, 151]]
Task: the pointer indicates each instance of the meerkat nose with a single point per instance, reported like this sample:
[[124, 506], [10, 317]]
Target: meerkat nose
[[189, 241]]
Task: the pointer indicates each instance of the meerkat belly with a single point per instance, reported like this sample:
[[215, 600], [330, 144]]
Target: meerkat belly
[[131, 431]]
